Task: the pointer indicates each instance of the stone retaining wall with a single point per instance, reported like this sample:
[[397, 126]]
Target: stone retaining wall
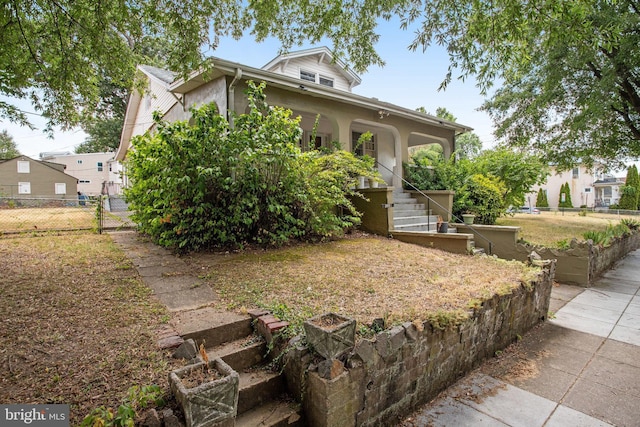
[[385, 378], [583, 262]]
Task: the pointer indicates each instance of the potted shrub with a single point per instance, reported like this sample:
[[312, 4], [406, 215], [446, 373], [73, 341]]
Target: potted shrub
[[330, 334], [207, 392], [468, 218]]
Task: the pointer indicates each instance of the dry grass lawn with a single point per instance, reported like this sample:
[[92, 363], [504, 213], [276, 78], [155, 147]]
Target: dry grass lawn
[[78, 326], [32, 219], [364, 277], [549, 228]]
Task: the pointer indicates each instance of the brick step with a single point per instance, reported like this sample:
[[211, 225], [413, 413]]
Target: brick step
[[241, 354], [258, 386], [275, 413]]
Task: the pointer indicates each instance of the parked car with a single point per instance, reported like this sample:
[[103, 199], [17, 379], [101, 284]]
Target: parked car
[[528, 210]]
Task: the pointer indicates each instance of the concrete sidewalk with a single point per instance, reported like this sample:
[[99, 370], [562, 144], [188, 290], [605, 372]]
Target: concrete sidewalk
[[581, 368]]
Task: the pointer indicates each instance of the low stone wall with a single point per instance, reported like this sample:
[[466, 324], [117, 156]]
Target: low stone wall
[[389, 376], [583, 262]]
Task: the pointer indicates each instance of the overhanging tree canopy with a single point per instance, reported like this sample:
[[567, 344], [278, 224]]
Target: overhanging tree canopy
[[569, 69]]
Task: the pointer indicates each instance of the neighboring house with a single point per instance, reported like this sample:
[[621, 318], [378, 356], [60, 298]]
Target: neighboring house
[[608, 190], [24, 177], [94, 171], [310, 82], [587, 188]]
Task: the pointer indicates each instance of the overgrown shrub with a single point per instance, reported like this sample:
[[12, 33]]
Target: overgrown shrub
[[482, 196], [510, 172], [209, 185]]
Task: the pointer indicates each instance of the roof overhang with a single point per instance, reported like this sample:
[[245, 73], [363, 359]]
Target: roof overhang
[[217, 67]]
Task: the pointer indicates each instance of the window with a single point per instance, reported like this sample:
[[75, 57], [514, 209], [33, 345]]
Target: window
[[84, 181], [367, 148], [308, 76], [79, 162], [23, 166], [576, 173], [61, 188], [326, 81], [99, 166], [587, 190], [24, 188]]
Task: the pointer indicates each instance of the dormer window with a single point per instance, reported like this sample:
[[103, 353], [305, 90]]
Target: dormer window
[[326, 81], [308, 76]]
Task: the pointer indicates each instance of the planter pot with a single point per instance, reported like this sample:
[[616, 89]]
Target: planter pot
[[443, 227], [330, 334], [373, 183], [361, 180], [209, 403], [468, 218]]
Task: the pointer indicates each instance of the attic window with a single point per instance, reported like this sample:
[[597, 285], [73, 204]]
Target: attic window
[[326, 81], [308, 76], [23, 166]]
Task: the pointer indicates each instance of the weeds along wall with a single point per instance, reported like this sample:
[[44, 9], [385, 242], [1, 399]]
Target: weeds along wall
[[583, 262], [389, 376]]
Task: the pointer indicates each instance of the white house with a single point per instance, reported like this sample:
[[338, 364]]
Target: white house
[[94, 171], [310, 82], [588, 188]]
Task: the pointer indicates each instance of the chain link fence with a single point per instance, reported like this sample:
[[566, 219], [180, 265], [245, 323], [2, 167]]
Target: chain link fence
[[28, 215]]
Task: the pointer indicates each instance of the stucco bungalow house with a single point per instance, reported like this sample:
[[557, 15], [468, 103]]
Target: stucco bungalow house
[[310, 82]]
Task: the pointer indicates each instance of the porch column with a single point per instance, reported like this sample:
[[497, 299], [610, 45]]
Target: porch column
[[342, 129]]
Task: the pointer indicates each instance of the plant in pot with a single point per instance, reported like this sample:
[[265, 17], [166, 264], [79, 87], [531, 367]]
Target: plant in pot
[[468, 217], [207, 392], [330, 334]]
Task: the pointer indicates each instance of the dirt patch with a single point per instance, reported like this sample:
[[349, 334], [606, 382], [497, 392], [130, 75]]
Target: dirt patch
[[78, 325]]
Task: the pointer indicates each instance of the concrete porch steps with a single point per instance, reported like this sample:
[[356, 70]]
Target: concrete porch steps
[[263, 398], [409, 215]]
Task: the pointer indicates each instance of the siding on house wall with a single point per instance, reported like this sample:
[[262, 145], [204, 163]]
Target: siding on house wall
[[85, 168], [42, 180], [582, 190], [156, 98], [325, 69]]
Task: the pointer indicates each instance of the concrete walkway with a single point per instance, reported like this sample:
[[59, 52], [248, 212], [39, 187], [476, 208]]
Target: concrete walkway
[[171, 280], [581, 368]]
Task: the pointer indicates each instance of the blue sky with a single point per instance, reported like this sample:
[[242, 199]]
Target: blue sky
[[409, 79]]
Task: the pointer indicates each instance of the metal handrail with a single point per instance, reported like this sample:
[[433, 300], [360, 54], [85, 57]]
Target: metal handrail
[[429, 200]]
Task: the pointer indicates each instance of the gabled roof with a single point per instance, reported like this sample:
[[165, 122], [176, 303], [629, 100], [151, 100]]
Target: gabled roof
[[158, 74], [324, 55], [216, 67], [55, 166]]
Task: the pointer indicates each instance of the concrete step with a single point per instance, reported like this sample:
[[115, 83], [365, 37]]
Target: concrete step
[[276, 413], [258, 386], [426, 226], [417, 219], [211, 327], [409, 207], [397, 195], [241, 354]]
